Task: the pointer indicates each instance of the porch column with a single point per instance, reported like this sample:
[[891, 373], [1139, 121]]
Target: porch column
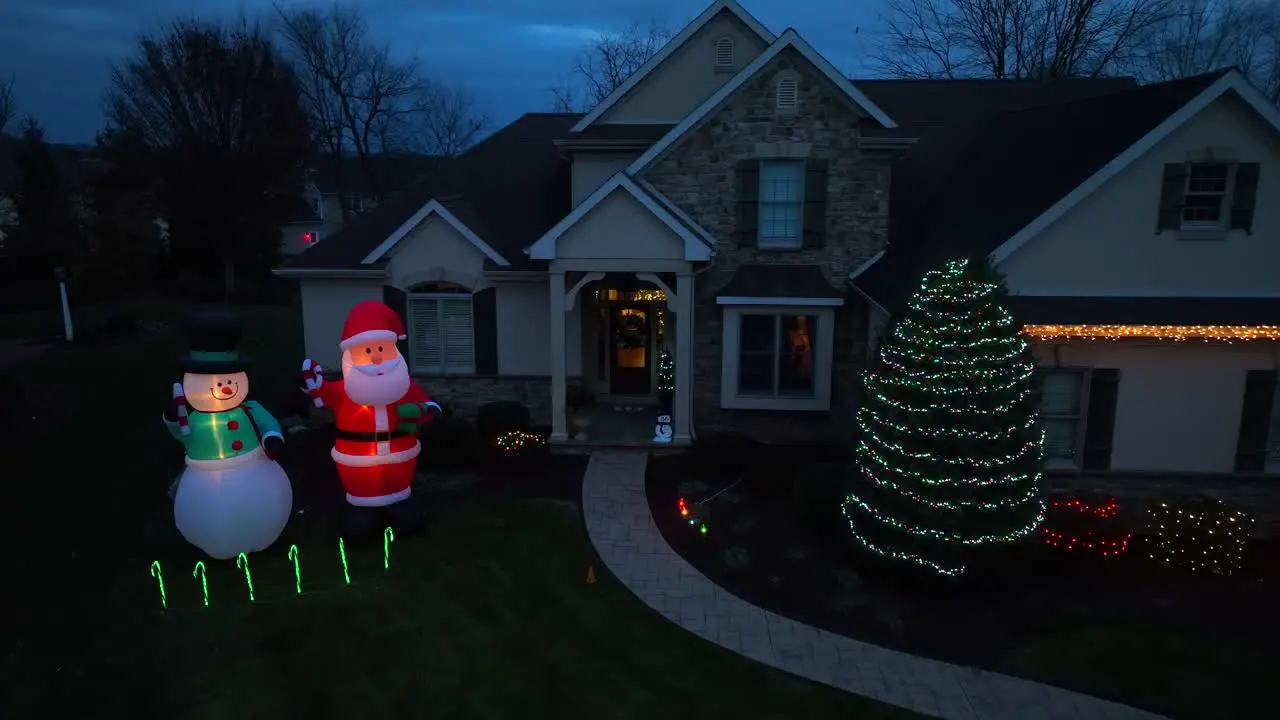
[[559, 431], [682, 403]]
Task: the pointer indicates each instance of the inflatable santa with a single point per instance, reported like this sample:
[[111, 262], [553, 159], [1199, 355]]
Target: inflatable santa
[[379, 408]]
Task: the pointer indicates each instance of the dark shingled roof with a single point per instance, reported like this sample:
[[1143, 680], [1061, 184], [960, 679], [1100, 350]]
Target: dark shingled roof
[[1145, 311], [649, 133], [779, 281], [396, 171], [509, 189], [1020, 164]]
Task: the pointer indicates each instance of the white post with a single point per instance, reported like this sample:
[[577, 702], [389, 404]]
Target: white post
[[682, 403], [68, 331], [559, 423]]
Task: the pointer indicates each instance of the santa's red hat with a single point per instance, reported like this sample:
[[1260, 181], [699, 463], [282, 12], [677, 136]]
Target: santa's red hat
[[369, 322]]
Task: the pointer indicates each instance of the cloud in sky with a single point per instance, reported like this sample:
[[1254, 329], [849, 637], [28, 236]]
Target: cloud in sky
[[507, 52]]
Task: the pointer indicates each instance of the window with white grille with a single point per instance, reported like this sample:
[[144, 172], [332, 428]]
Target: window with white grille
[[441, 339], [1061, 413], [724, 52], [787, 94], [781, 204]]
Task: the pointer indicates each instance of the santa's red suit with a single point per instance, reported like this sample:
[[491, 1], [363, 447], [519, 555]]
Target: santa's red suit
[[375, 453]]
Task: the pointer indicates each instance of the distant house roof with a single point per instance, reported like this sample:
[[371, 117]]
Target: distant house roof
[[395, 171], [509, 189], [1017, 164]]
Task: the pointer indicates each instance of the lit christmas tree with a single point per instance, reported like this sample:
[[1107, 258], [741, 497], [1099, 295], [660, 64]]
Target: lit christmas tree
[[666, 379], [950, 451]]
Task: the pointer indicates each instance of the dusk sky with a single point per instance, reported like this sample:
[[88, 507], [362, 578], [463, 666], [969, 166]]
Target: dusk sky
[[506, 52]]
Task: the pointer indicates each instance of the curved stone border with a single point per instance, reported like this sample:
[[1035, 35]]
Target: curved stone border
[[632, 548]]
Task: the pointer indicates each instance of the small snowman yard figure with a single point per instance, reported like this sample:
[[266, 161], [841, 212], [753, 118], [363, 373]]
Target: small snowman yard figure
[[662, 430], [232, 497]]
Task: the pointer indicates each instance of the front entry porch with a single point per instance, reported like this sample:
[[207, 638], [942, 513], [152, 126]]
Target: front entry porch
[[636, 359]]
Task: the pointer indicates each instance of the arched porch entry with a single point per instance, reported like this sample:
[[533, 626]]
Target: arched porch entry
[[630, 317]]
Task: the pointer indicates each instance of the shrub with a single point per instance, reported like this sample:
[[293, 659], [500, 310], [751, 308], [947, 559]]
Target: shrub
[[817, 493], [727, 457], [496, 418], [519, 452], [1085, 522], [449, 442], [1200, 533], [120, 326]]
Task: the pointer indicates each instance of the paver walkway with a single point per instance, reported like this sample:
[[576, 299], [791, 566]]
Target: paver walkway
[[630, 545]]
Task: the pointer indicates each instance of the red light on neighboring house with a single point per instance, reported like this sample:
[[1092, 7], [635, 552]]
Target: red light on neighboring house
[[308, 238]]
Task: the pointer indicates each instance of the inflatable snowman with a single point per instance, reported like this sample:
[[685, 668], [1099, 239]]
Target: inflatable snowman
[[232, 497]]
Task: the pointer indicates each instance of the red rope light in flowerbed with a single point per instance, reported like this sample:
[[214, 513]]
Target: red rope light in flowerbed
[[1088, 524]]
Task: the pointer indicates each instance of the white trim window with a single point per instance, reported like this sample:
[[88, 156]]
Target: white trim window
[[441, 338], [1062, 405], [777, 357], [1205, 205], [781, 204]]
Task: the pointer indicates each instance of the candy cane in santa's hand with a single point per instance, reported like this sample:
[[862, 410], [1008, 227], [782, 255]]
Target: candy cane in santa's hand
[[313, 375], [180, 399]]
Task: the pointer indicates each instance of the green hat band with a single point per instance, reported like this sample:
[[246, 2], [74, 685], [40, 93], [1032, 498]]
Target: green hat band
[[209, 356]]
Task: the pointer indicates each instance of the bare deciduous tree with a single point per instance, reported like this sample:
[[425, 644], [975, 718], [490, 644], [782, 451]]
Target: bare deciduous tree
[[8, 107], [1013, 38], [362, 100], [606, 63], [1205, 35]]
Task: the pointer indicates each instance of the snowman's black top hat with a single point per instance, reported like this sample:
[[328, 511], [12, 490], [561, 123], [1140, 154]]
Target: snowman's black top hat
[[213, 339]]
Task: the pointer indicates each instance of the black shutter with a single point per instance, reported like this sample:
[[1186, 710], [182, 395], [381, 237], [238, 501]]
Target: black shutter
[[398, 300], [815, 203], [484, 329], [1100, 421], [1244, 196], [1172, 193], [748, 202], [1255, 420]]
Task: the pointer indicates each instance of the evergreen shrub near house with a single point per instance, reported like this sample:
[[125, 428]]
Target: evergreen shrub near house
[[450, 442], [496, 418], [950, 451]]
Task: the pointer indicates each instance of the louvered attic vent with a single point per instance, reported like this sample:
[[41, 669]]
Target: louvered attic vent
[[724, 52], [787, 94]]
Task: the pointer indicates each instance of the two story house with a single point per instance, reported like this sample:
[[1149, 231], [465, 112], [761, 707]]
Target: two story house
[[332, 191], [740, 207]]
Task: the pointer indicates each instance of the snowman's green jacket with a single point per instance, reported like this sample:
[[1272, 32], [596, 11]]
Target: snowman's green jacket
[[227, 434]]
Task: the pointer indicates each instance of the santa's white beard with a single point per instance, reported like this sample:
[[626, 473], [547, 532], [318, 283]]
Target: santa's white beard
[[365, 387]]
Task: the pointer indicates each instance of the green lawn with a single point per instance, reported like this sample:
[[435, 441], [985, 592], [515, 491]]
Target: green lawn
[[485, 615]]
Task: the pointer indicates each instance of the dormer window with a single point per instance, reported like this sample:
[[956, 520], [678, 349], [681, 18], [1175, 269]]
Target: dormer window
[[787, 94], [724, 53]]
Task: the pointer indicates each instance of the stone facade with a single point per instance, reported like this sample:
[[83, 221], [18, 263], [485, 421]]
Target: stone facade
[[464, 394], [699, 175]]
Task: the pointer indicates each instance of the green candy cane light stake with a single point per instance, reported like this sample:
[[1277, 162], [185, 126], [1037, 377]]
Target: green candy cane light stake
[[297, 569], [199, 572], [242, 562], [388, 536], [158, 574], [342, 553]]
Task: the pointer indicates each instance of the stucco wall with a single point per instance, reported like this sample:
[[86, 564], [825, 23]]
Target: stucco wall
[[688, 76], [1179, 406], [325, 304], [1108, 244]]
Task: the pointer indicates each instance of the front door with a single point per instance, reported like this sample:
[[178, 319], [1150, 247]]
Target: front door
[[629, 355]]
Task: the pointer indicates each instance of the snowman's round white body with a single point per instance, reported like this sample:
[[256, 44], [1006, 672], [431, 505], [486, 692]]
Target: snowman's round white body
[[235, 504], [241, 506], [662, 430]]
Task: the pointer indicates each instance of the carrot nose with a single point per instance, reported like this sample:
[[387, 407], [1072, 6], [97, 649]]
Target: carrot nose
[[226, 390]]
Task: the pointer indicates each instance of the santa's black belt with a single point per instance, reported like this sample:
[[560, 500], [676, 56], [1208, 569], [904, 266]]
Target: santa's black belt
[[372, 436]]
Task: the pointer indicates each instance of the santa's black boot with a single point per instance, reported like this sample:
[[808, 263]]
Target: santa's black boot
[[359, 523]]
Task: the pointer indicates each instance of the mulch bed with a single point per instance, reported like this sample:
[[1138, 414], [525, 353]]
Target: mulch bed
[[760, 547]]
